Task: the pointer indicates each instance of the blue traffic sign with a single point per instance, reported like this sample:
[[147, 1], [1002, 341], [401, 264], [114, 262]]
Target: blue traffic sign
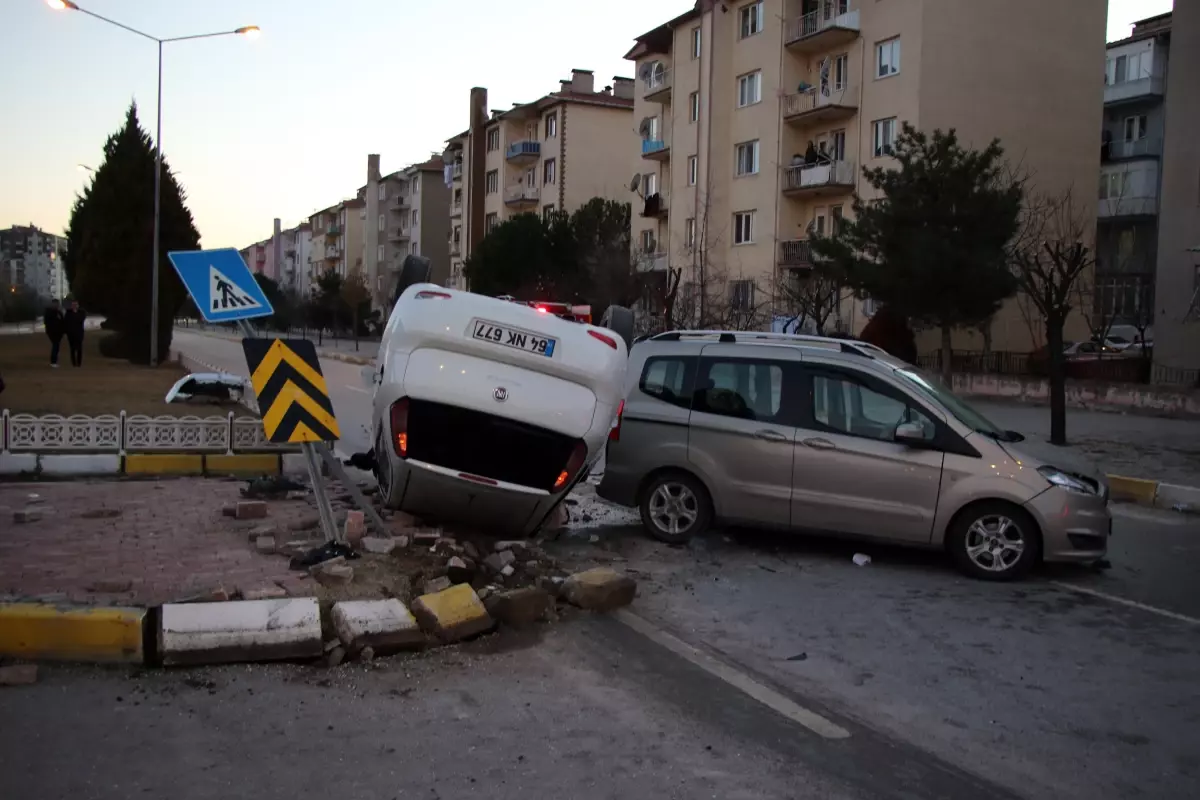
[[221, 285]]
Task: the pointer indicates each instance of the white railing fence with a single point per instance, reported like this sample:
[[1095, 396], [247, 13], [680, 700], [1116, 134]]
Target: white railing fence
[[133, 433]]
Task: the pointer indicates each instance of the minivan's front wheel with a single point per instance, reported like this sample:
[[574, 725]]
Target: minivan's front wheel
[[995, 541], [675, 507]]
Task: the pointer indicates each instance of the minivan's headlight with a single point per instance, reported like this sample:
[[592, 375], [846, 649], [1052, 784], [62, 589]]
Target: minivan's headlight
[[1068, 482]]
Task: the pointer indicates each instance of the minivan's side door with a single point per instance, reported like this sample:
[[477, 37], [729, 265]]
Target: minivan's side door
[[741, 433], [849, 474]]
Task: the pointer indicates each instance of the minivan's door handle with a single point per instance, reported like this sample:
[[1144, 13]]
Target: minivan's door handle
[[819, 444], [770, 435]]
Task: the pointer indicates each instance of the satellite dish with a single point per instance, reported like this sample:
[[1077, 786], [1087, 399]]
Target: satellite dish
[[644, 127], [636, 182]]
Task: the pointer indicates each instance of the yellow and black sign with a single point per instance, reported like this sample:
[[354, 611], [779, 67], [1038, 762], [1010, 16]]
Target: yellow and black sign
[[292, 395]]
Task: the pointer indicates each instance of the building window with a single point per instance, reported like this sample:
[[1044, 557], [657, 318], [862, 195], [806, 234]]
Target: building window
[[493, 139], [490, 222], [491, 182], [696, 42], [741, 298], [841, 71], [648, 243], [416, 185], [747, 158], [887, 58], [379, 254], [689, 233], [383, 191], [382, 222], [693, 106], [1135, 128], [693, 170], [837, 145], [885, 136], [749, 89], [836, 216], [548, 212], [415, 217], [750, 20], [548, 171], [551, 125], [650, 183], [1113, 185], [743, 227]]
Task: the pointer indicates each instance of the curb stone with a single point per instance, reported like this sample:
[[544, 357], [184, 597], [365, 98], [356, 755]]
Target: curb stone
[[1185, 499]]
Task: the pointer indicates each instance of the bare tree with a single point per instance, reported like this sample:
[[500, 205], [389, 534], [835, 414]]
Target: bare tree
[[1051, 262], [810, 297]]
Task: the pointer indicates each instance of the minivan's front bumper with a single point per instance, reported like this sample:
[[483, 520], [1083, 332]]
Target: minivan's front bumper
[[1075, 527]]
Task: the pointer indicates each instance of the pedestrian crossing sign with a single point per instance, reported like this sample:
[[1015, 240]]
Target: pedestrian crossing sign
[[220, 284]]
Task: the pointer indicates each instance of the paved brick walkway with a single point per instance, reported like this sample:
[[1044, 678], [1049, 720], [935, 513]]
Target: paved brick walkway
[[169, 540]]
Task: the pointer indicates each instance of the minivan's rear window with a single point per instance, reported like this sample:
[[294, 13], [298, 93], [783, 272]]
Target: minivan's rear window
[[669, 379]]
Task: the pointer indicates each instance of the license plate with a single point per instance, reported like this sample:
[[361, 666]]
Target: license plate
[[512, 337]]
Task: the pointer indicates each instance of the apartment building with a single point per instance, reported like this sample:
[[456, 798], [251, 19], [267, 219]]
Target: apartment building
[[406, 213], [32, 258], [555, 153], [1148, 231], [337, 238], [730, 95], [284, 258]]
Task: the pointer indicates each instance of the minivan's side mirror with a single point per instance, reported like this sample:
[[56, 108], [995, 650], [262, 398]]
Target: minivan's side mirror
[[912, 434]]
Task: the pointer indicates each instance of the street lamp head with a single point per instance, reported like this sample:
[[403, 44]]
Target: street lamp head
[[250, 31], [62, 5]]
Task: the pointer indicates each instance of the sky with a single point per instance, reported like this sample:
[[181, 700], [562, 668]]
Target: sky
[[281, 126]]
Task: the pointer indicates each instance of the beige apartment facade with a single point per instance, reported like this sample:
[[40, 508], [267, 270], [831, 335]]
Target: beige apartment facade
[[337, 239], [554, 154], [405, 213], [757, 118]]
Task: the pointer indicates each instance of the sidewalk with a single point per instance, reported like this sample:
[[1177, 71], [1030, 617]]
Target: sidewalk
[[364, 351], [1155, 448]]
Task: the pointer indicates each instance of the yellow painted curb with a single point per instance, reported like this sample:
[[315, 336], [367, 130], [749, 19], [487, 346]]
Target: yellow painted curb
[[39, 631], [252, 464], [452, 614], [1136, 490], [164, 464]]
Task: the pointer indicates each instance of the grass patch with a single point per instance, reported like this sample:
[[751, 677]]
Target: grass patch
[[101, 386]]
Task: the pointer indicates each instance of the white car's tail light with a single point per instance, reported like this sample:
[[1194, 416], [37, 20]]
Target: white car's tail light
[[431, 295], [400, 427], [614, 433], [608, 340], [574, 464]]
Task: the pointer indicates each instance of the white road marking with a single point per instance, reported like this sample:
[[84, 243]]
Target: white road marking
[[740, 681], [358, 389], [1112, 598]]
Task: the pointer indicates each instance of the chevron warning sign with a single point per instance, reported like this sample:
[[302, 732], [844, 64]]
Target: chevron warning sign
[[292, 394]]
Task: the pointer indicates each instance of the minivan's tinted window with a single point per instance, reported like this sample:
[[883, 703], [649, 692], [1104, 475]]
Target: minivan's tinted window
[[668, 379], [741, 388]]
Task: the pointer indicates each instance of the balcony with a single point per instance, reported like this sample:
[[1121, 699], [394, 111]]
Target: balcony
[[456, 209], [400, 202], [398, 233], [831, 178], [831, 25], [1128, 190], [1142, 148], [656, 150], [795, 253], [651, 262], [334, 230], [525, 151], [456, 172], [655, 206], [455, 247], [656, 86], [521, 195], [1132, 91], [815, 106]]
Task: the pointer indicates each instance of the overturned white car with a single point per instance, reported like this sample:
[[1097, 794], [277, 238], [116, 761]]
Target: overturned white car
[[488, 411]]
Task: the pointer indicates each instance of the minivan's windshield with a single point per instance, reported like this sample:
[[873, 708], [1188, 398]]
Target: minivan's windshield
[[952, 402]]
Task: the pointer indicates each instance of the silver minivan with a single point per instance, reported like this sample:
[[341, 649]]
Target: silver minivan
[[837, 436]]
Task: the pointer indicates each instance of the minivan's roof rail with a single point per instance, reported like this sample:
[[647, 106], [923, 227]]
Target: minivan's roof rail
[[850, 346]]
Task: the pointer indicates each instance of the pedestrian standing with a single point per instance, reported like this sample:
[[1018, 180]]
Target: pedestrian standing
[[73, 327], [52, 321]]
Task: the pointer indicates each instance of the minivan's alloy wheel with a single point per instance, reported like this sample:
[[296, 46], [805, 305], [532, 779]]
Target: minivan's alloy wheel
[[995, 541], [675, 507]]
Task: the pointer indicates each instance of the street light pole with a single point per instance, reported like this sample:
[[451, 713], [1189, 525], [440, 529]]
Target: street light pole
[[250, 31]]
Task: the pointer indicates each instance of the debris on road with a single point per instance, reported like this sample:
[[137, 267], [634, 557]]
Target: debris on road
[[520, 608], [378, 545], [599, 589], [386, 626], [452, 614], [250, 509], [27, 515], [18, 674], [861, 559]]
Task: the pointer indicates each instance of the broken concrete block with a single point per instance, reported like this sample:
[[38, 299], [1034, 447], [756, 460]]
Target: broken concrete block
[[426, 538], [335, 575], [520, 608], [452, 614], [513, 544], [599, 589], [335, 656], [265, 545], [378, 545], [271, 592], [436, 585], [260, 630], [18, 675], [251, 509], [385, 625], [508, 570], [27, 515], [498, 561], [470, 551], [305, 523], [229, 509], [460, 570], [354, 528], [552, 585]]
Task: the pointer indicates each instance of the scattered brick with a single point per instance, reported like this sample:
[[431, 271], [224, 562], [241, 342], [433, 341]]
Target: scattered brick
[[251, 509]]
